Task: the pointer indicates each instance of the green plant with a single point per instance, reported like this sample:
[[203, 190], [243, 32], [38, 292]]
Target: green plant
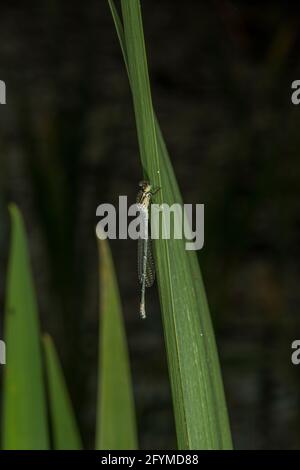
[[25, 424], [65, 433], [116, 424], [24, 419], [197, 388]]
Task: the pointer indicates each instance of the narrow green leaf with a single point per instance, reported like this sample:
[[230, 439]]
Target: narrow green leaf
[[64, 428], [197, 388], [116, 424], [24, 424]]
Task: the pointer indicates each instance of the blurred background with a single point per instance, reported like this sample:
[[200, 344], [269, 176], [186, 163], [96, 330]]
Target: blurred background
[[221, 75]]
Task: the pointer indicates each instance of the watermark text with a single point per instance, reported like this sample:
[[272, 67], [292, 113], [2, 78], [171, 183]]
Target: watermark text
[[167, 222]]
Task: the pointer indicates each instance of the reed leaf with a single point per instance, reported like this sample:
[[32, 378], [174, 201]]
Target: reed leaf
[[24, 417], [65, 432], [197, 388], [116, 423]]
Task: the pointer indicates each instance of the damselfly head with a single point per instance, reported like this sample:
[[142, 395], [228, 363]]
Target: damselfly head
[[145, 186]]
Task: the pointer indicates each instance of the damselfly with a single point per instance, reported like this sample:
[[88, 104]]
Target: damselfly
[[146, 266]]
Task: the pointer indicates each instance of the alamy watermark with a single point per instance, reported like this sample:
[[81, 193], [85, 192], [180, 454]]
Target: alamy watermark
[[2, 353], [2, 92], [295, 97], [175, 221], [295, 357]]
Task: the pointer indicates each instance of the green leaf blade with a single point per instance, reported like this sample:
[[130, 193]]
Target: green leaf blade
[[24, 417], [64, 427], [116, 423], [198, 396]]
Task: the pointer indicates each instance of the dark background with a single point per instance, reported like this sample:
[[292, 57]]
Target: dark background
[[221, 75]]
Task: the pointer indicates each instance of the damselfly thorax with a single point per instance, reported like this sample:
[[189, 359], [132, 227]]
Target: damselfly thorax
[[144, 194]]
